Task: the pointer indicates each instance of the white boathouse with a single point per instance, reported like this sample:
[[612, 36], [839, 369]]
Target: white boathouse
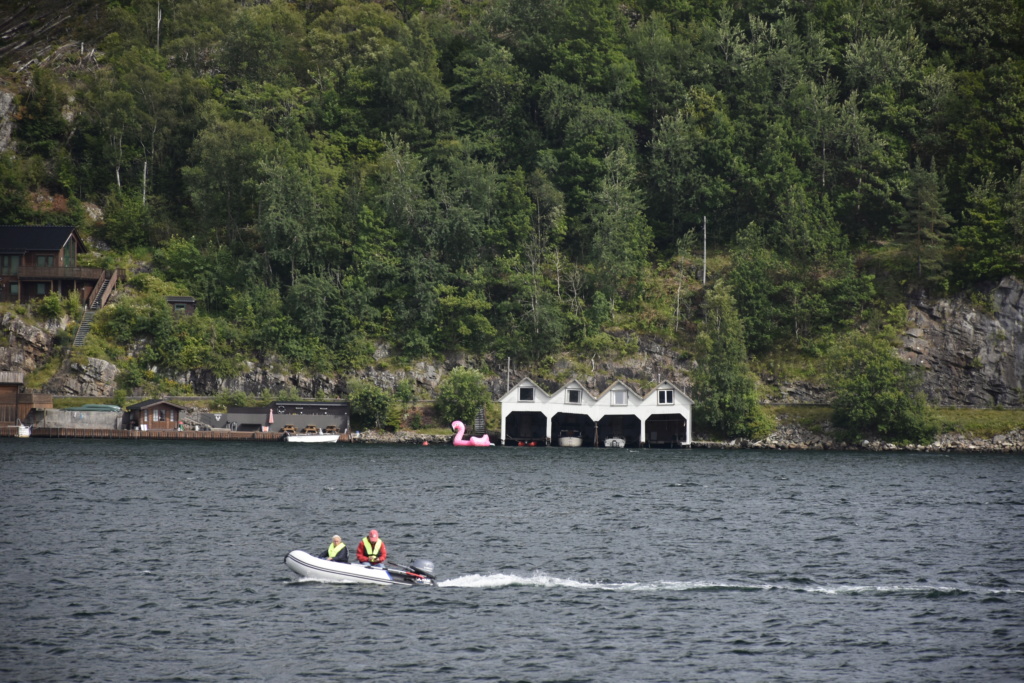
[[532, 417]]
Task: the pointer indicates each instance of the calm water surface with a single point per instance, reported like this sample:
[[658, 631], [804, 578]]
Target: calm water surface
[[163, 561]]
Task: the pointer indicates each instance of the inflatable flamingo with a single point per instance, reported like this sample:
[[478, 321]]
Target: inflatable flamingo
[[460, 429]]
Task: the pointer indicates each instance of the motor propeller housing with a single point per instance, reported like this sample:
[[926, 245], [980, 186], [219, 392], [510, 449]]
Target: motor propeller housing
[[425, 567]]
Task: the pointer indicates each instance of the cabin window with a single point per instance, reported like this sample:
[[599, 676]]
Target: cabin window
[[14, 290], [665, 397], [573, 396], [69, 254], [41, 289], [526, 393], [618, 397], [44, 260]]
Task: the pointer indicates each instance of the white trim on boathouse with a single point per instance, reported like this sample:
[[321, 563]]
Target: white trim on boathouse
[[531, 416]]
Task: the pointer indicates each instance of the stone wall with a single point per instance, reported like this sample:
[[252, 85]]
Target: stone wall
[[80, 419]]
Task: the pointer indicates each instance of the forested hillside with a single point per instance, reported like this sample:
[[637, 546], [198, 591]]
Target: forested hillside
[[522, 177]]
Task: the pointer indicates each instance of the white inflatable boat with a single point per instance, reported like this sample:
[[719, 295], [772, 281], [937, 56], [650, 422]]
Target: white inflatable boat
[[419, 573]]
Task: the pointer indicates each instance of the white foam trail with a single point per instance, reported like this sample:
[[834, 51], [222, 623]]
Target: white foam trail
[[541, 580], [545, 581]]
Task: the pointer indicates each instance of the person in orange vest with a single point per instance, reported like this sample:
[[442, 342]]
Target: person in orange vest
[[336, 551], [371, 549]]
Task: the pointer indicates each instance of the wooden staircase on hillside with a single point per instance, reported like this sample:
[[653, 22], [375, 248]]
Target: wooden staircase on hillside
[[96, 304]]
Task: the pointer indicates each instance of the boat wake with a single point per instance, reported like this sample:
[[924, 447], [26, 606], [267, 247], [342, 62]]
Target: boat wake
[[541, 580]]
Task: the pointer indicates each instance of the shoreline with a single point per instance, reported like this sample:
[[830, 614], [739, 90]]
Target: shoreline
[[781, 440], [785, 439]]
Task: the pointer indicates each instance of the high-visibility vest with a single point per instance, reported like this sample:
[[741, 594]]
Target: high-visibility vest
[[333, 550], [371, 551]]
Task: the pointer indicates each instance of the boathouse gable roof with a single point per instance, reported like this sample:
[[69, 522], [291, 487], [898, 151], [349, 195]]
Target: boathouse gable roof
[[609, 395], [573, 393], [513, 395], [679, 397]]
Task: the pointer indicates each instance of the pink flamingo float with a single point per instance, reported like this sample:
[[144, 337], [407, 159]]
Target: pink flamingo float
[[460, 429]]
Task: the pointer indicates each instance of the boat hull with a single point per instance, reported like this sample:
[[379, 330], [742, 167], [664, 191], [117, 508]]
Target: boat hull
[[614, 442], [309, 567], [311, 438], [570, 441]]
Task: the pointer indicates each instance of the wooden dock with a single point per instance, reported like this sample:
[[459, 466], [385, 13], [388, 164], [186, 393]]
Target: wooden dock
[[165, 434]]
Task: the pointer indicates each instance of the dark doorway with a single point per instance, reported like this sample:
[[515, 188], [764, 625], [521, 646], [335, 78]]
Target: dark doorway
[[666, 431], [525, 429], [621, 426]]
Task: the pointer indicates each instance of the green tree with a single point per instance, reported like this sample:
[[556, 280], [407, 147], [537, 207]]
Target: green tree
[[127, 221], [876, 391], [925, 223], [725, 390], [622, 238], [461, 394], [40, 121], [225, 174], [990, 236], [369, 403]]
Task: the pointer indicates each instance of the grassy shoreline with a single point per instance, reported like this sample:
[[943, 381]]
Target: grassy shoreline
[[980, 423]]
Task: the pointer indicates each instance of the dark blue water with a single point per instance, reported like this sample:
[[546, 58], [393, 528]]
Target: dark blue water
[[163, 562]]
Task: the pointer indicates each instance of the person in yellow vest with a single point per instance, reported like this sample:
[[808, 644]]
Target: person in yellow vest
[[371, 549], [336, 551]]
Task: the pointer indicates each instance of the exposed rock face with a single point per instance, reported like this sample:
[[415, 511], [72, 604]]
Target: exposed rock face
[[26, 346], [7, 108], [95, 378], [971, 357]]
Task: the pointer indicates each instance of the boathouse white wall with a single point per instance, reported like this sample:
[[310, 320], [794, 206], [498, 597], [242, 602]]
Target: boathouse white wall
[[572, 398]]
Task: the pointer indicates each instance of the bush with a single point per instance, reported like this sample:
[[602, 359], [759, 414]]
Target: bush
[[877, 392], [50, 306], [461, 394], [369, 404]]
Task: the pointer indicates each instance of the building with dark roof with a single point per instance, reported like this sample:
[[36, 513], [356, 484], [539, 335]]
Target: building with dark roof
[[38, 259]]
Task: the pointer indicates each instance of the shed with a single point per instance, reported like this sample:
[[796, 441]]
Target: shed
[[17, 405], [156, 413], [184, 305]]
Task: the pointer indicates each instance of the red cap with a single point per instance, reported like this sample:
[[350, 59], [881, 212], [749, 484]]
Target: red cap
[[373, 534]]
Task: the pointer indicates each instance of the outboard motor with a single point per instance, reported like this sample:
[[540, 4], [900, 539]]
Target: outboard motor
[[425, 567]]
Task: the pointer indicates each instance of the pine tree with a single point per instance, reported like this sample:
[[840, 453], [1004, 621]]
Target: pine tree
[[922, 230], [724, 387]]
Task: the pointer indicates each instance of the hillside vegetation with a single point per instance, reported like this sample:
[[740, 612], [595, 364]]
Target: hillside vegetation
[[523, 177]]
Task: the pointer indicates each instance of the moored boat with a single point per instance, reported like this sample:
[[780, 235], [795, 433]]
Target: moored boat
[[24, 431], [311, 438], [614, 442], [418, 573], [572, 439]]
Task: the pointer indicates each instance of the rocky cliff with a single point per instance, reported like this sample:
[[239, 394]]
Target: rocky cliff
[[971, 347]]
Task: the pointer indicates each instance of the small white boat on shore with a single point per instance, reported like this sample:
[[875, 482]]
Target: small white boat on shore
[[311, 438], [419, 573], [24, 431]]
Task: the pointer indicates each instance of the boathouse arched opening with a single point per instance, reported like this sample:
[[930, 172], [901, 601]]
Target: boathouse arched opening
[[666, 431], [623, 426], [526, 428], [573, 424]]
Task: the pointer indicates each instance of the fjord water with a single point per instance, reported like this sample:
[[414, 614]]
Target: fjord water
[[163, 561]]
